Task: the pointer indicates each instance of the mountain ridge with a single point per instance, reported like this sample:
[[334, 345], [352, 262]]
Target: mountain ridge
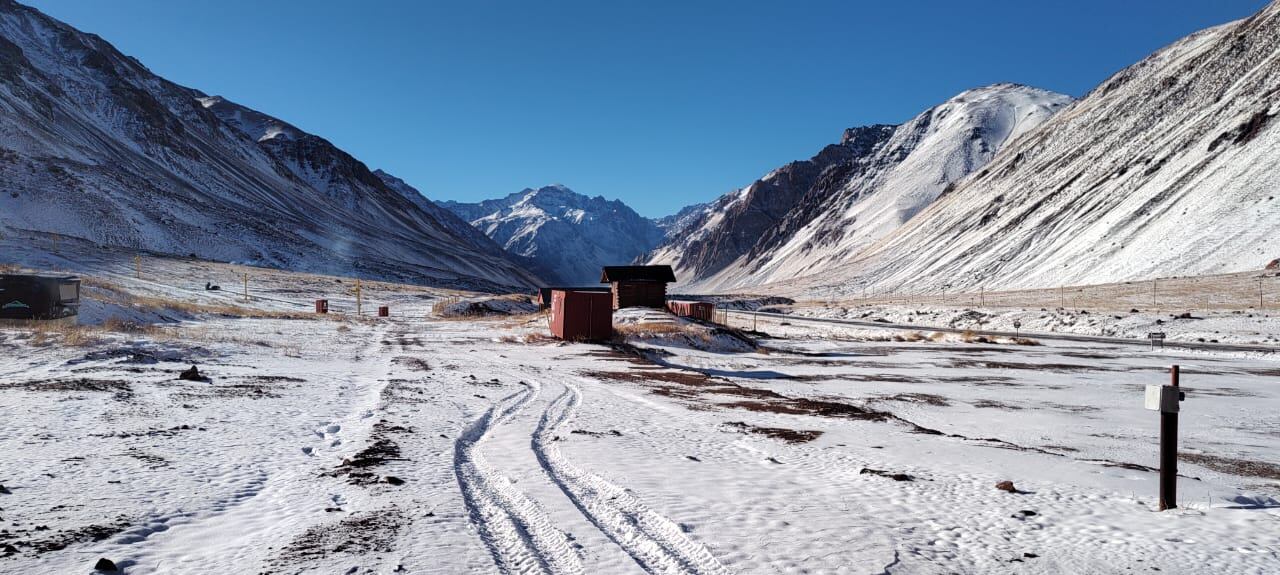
[[97, 146]]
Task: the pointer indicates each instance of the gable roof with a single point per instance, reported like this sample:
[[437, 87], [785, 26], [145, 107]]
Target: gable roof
[[637, 273]]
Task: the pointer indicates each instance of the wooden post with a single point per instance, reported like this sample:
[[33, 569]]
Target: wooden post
[[1154, 303], [246, 286], [1261, 306], [359, 301], [982, 297], [754, 321], [1062, 298], [1169, 452]]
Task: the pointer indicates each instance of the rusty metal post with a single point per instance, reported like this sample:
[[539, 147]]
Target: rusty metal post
[[1169, 452]]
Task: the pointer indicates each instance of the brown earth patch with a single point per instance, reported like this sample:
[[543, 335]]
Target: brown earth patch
[[359, 534], [925, 398], [60, 540], [119, 388], [1233, 466], [782, 433]]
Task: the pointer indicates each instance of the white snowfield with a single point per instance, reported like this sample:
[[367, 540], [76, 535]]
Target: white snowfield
[[418, 445]]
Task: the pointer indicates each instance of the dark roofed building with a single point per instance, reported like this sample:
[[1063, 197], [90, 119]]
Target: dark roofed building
[[544, 293], [638, 286]]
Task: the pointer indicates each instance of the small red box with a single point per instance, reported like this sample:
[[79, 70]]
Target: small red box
[[322, 306]]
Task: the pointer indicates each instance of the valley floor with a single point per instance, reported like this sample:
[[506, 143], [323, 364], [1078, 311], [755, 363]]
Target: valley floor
[[418, 445]]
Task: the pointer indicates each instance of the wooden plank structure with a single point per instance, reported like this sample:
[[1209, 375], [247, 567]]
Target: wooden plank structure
[[581, 315], [638, 286], [702, 310]]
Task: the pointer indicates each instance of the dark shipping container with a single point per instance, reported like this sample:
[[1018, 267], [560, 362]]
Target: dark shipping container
[[39, 297], [581, 315]]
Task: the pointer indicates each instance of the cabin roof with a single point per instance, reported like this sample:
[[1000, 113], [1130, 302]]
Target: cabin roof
[[637, 274]]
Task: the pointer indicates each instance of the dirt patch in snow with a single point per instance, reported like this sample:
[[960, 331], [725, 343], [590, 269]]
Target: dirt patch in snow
[[120, 388], [380, 450], [60, 540], [781, 433], [1233, 466], [359, 534]]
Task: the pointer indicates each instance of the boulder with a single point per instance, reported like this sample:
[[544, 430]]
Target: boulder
[[1006, 486], [106, 565]]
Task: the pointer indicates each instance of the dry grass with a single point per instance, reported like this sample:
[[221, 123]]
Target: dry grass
[[651, 329], [535, 338]]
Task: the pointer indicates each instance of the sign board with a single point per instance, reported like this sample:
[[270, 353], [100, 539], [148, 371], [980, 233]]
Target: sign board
[[1163, 398], [1156, 335]]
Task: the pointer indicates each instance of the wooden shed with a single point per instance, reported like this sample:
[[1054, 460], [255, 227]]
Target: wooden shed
[[638, 286], [581, 315]]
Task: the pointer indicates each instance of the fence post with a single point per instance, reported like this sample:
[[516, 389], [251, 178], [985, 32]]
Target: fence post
[[1169, 451]]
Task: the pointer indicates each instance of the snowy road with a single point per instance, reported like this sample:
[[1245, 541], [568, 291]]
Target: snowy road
[[419, 446]]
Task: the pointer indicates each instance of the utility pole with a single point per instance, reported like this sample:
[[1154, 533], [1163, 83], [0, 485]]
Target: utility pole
[[246, 286], [1261, 304], [1062, 298], [359, 301], [982, 297], [1154, 302]]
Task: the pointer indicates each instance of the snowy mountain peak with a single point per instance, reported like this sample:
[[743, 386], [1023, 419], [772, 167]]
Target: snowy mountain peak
[[567, 236], [813, 214]]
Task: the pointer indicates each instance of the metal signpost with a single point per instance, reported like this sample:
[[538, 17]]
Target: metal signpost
[[1156, 337], [1017, 328], [1165, 399]]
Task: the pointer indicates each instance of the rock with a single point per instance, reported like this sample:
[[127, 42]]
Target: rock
[[106, 565], [5, 491], [7, 550], [889, 474], [1274, 265], [1006, 486], [393, 480], [192, 374]]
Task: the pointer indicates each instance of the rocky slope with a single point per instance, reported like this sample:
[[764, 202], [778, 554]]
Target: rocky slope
[[565, 236], [1169, 167], [94, 145], [818, 214]]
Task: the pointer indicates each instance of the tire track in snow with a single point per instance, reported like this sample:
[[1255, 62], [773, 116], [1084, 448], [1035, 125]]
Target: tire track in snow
[[657, 543], [517, 532]]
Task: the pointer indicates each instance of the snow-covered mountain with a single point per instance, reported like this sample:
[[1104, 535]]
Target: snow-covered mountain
[[819, 213], [1169, 167], [565, 236], [94, 145]]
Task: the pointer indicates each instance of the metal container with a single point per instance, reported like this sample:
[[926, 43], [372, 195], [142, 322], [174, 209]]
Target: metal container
[[581, 315], [39, 297], [692, 309]]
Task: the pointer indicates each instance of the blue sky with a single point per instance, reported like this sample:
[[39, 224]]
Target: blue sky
[[660, 104]]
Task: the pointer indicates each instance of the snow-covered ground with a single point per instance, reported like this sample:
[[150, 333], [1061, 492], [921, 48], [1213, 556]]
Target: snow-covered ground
[[1240, 327], [417, 445]]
